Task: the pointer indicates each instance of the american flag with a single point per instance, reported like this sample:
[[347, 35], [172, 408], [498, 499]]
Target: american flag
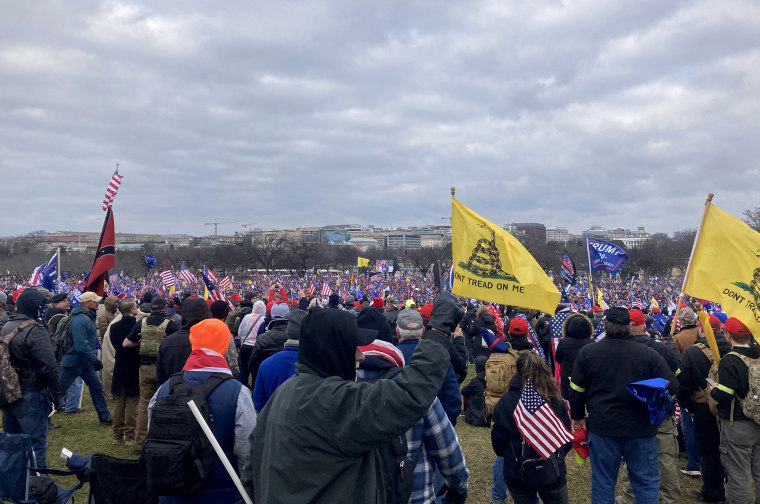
[[534, 339], [213, 292], [113, 186], [638, 304], [36, 278], [538, 424], [312, 290], [168, 278], [209, 274], [186, 275], [225, 283], [326, 290], [555, 329]]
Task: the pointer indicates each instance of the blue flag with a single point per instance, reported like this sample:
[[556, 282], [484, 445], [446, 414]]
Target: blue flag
[[568, 272], [606, 256], [150, 261], [49, 274]]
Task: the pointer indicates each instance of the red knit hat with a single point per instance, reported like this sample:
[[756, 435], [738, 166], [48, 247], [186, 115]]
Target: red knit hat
[[736, 326], [378, 303], [655, 310], [519, 326], [425, 311], [637, 317]]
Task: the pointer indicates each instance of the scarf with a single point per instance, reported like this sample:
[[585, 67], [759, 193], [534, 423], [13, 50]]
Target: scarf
[[207, 360]]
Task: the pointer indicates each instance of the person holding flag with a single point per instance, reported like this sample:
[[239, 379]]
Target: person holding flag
[[531, 430]]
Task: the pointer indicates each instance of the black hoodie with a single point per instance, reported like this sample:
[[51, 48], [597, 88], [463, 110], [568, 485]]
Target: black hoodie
[[328, 343], [444, 319], [176, 348], [371, 318]]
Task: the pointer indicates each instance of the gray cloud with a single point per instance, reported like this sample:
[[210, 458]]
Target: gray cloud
[[308, 113]]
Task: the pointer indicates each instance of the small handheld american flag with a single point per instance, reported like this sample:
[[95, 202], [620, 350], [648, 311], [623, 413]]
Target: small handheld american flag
[[326, 290], [168, 278], [538, 424], [186, 275], [113, 187]]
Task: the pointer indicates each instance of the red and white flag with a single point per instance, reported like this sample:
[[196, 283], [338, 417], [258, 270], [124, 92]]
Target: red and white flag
[[225, 283], [312, 290], [36, 278], [209, 274], [168, 278], [113, 187], [538, 424], [326, 290]]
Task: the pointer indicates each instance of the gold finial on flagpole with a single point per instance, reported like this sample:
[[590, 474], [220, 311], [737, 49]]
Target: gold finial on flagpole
[[453, 190], [710, 197]]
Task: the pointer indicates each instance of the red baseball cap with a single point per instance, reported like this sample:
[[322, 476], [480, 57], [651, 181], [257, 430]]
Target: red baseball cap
[[655, 309], [637, 317], [519, 326], [736, 326], [714, 323], [425, 312]]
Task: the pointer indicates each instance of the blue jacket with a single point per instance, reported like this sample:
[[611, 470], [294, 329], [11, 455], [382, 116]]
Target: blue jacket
[[230, 406], [449, 395], [272, 373], [84, 334]]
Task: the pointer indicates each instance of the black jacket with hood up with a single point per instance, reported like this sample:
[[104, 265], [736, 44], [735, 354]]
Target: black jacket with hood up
[[444, 319], [176, 348], [31, 351]]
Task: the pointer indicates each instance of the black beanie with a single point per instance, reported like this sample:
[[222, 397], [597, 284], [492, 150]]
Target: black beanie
[[579, 328]]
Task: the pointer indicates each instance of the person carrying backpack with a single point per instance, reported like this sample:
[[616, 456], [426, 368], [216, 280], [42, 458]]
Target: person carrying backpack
[[738, 395], [525, 483], [229, 410], [32, 356]]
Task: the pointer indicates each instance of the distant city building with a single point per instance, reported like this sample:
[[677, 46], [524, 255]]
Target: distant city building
[[595, 231], [629, 238], [558, 234], [530, 228]]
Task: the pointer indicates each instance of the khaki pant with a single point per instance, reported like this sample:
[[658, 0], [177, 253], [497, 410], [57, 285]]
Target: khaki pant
[[107, 357], [147, 390], [125, 416], [667, 455], [740, 454]]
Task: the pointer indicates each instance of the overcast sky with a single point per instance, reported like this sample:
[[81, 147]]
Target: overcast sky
[[570, 113]]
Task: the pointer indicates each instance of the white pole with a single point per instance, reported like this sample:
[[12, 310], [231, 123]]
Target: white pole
[[218, 449]]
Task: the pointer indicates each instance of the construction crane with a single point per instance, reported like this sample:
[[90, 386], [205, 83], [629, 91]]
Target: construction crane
[[247, 225], [216, 223]]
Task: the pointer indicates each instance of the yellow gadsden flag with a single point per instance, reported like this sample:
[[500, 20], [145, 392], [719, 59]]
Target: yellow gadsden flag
[[725, 267], [492, 265], [362, 262]]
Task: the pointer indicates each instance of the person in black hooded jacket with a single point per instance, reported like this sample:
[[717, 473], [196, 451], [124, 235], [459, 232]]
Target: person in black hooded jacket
[[33, 356], [576, 333], [444, 328], [371, 318], [176, 348], [486, 321], [467, 320]]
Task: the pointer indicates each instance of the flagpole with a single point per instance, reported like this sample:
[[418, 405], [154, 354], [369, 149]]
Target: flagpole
[[691, 256], [58, 268], [590, 280]]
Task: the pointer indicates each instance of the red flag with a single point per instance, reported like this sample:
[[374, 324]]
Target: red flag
[[105, 257]]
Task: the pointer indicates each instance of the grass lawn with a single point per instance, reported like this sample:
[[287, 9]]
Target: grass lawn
[[83, 434]]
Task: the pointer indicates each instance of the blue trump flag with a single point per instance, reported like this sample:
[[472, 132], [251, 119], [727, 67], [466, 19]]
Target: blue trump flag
[[150, 261], [654, 393], [49, 274], [605, 255]]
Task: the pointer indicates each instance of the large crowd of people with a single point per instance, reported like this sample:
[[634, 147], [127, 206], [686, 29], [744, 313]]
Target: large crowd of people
[[354, 395]]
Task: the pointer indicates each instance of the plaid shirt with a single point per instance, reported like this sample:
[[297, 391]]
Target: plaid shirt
[[440, 450]]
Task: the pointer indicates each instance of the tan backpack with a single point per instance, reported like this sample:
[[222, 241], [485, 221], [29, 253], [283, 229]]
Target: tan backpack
[[500, 368], [751, 402]]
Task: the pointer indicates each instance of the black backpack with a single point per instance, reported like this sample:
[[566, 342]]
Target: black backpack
[[178, 457], [396, 467]]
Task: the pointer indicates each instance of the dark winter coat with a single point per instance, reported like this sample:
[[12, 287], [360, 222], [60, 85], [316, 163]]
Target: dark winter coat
[[84, 335], [175, 349], [485, 321], [507, 441], [268, 344], [126, 369], [444, 319], [316, 440], [33, 355], [567, 350], [473, 393], [694, 369]]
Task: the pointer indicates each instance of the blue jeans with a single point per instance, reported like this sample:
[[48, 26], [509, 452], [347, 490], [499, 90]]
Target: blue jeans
[[640, 454], [30, 416], [687, 426], [67, 375], [74, 395], [499, 488]]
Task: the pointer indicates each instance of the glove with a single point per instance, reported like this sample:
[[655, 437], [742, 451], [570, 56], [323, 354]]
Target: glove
[[97, 365], [452, 495]]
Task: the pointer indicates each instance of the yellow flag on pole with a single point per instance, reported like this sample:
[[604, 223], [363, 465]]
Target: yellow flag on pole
[[361, 262], [492, 265], [725, 266], [599, 298], [653, 302]]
